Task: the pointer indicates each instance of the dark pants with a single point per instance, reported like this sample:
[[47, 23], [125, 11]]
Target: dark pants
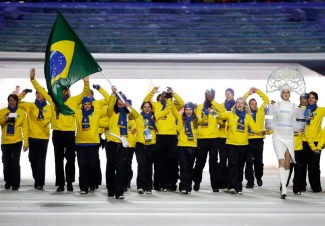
[[254, 158], [98, 173], [313, 160], [299, 179], [236, 162], [37, 159], [64, 147], [205, 146], [145, 156], [186, 162], [87, 162], [223, 163], [167, 160], [115, 168], [11, 163], [156, 180], [129, 171]]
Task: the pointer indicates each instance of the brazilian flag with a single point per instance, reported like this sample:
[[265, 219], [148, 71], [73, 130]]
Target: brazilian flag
[[67, 60]]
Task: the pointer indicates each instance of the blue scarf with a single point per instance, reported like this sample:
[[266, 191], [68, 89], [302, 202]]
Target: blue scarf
[[309, 113], [65, 98], [229, 104], [163, 102], [85, 124], [188, 128], [11, 125], [151, 122], [122, 123], [253, 114], [241, 120], [40, 105]]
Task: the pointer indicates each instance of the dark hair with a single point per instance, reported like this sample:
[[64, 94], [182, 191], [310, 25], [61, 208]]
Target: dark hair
[[13, 96], [116, 108], [159, 95], [249, 102], [195, 119], [312, 93], [92, 92], [146, 102]]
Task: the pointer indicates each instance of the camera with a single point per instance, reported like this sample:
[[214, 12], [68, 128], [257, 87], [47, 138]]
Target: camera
[[28, 90]]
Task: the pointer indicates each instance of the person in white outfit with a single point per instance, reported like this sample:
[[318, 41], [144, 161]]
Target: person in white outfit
[[283, 135]]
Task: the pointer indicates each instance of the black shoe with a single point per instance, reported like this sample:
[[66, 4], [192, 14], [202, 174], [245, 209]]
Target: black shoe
[[249, 186], [60, 189], [172, 187], [317, 190], [38, 187], [92, 188], [96, 186], [110, 194], [259, 182], [196, 187], [14, 188], [69, 187], [283, 196], [7, 186], [215, 190]]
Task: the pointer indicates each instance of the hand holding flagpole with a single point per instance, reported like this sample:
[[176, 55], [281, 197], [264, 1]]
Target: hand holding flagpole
[[117, 93]]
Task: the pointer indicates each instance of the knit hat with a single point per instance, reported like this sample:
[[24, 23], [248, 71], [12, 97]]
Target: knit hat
[[303, 96], [129, 101], [230, 90], [86, 99], [122, 95], [189, 105]]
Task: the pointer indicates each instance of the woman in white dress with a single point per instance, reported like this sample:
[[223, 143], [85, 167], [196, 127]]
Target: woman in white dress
[[283, 135]]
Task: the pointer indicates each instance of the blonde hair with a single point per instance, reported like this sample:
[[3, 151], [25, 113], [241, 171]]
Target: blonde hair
[[246, 107]]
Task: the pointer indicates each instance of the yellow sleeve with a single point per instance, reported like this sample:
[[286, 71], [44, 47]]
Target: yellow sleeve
[[21, 96], [25, 106], [321, 142], [148, 97], [111, 103], [76, 100], [103, 112], [310, 141], [217, 106], [2, 118], [265, 98], [165, 112], [42, 91], [179, 101], [252, 125], [133, 114], [25, 131], [246, 95], [224, 115], [105, 95], [103, 123]]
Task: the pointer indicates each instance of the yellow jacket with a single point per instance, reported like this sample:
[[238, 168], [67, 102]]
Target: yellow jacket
[[166, 125], [211, 130], [113, 120], [260, 115], [321, 142], [141, 124], [132, 138], [223, 125], [235, 137], [90, 136], [39, 129], [298, 141], [21, 127], [313, 131], [63, 122]]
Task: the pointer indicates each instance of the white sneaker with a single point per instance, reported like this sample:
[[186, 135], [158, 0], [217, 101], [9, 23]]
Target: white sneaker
[[232, 191], [163, 189], [240, 192], [120, 197], [140, 191], [183, 192], [83, 192], [149, 192]]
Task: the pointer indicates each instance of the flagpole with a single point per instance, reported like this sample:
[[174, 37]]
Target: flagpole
[[117, 93]]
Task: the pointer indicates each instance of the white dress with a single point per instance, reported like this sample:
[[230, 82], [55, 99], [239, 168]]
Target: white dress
[[283, 132]]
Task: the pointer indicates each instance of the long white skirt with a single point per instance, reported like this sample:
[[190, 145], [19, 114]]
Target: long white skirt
[[281, 144]]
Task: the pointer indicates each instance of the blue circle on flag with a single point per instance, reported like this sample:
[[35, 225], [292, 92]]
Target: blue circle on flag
[[57, 63]]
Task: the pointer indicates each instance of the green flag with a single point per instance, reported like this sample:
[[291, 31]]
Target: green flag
[[67, 60]]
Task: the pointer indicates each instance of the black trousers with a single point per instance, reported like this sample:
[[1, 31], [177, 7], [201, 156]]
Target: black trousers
[[87, 162], [223, 163], [206, 146], [37, 159], [145, 156], [187, 157], [236, 162], [313, 167], [300, 170], [116, 156], [254, 161], [11, 163], [129, 171], [64, 147], [167, 160], [98, 173]]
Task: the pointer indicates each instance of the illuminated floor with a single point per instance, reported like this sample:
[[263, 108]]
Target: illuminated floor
[[258, 206]]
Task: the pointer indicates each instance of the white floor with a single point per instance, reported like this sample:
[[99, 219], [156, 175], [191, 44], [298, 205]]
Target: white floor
[[258, 206]]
